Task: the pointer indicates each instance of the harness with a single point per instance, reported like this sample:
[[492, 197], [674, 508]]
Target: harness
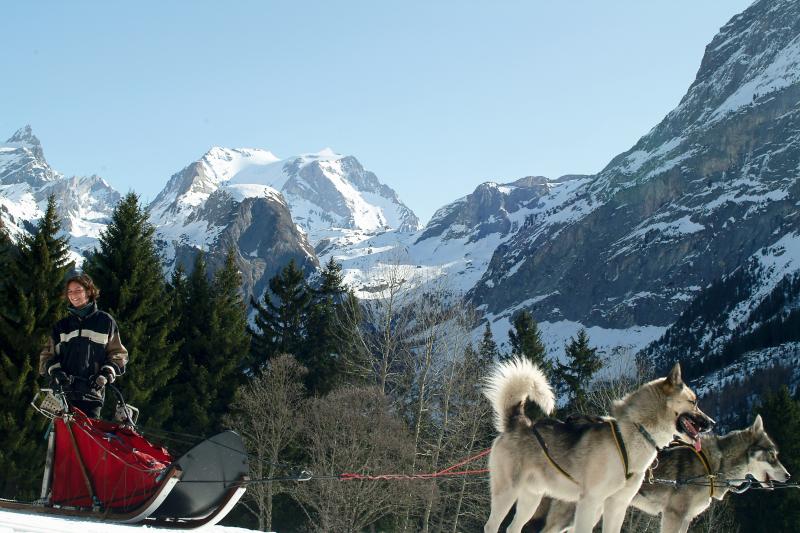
[[615, 433], [703, 459]]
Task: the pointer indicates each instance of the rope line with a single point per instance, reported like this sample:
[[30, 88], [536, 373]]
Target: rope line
[[449, 471], [162, 434]]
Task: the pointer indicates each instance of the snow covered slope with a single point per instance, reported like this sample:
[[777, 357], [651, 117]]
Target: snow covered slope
[[455, 246], [12, 522]]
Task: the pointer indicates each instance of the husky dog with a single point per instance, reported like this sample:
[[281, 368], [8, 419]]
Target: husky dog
[[733, 456], [598, 464]]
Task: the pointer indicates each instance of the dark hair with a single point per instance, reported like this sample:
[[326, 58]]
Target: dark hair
[[92, 292]]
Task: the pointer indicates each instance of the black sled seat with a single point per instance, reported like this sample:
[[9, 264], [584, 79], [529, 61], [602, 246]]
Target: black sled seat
[[212, 481]]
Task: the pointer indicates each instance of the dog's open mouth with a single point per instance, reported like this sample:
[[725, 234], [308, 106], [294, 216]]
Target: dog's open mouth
[[692, 426]]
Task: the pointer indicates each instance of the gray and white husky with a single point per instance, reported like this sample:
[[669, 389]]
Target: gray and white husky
[[733, 456], [599, 465]]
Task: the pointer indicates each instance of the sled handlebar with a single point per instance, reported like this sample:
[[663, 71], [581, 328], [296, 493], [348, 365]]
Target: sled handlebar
[[125, 413]]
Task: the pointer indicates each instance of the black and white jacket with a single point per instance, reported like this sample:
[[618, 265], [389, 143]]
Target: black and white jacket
[[81, 347]]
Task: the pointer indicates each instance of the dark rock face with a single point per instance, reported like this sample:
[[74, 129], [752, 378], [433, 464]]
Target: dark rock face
[[261, 232], [486, 210], [691, 201]]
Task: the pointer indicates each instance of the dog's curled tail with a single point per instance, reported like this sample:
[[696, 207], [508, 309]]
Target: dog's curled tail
[[512, 383]]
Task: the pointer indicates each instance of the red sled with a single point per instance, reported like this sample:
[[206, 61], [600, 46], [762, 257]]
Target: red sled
[[109, 471]]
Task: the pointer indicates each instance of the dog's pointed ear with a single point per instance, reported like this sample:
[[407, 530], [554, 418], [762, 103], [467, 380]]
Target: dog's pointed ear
[[674, 376], [758, 425]]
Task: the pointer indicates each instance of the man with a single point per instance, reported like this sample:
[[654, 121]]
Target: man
[[84, 352]]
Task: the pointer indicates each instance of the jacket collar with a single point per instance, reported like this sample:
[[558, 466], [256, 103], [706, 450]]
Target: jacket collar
[[84, 312]]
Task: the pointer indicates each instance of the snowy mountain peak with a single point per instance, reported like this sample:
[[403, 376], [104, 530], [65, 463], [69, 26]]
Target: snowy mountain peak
[[25, 138], [24, 135], [751, 65], [218, 153], [323, 190], [22, 160], [328, 153], [709, 186], [224, 163], [84, 203]]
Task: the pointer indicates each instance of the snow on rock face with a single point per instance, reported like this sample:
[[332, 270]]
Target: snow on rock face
[[754, 55], [322, 191], [454, 249], [85, 203], [22, 160], [696, 196]]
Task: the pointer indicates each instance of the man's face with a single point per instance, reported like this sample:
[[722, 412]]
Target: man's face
[[76, 295]]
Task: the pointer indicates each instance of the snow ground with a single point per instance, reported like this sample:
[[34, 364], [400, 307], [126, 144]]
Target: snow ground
[[18, 522]]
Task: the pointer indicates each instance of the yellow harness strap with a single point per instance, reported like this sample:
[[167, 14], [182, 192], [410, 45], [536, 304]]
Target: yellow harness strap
[[623, 453], [704, 460], [546, 451]]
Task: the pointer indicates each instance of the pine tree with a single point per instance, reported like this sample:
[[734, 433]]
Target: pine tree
[[6, 247], [178, 294], [356, 364], [128, 271], [214, 344], [322, 354], [781, 415], [177, 291], [488, 351], [479, 362], [195, 378], [229, 335], [7, 254], [32, 301], [582, 364], [526, 341], [281, 317], [34, 292]]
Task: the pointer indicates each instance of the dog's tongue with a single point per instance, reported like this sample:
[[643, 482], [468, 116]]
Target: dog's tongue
[[692, 431]]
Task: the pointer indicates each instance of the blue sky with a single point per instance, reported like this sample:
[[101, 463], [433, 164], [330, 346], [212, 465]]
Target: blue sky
[[434, 97]]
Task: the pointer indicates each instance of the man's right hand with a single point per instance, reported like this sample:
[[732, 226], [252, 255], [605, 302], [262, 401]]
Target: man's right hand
[[59, 378]]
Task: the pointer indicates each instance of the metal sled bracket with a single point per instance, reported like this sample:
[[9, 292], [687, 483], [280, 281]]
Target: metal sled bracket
[[48, 404]]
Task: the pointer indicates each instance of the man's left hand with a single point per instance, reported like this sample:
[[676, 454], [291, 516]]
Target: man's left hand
[[102, 379]]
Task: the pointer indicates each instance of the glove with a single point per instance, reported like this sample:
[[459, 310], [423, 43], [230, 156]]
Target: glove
[[58, 379], [102, 379]]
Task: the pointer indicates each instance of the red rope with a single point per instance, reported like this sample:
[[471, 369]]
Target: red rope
[[449, 471]]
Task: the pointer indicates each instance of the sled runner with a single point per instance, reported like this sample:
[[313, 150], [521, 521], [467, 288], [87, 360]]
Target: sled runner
[[107, 470]]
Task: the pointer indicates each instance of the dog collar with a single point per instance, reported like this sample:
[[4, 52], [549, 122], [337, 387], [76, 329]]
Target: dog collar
[[649, 438]]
